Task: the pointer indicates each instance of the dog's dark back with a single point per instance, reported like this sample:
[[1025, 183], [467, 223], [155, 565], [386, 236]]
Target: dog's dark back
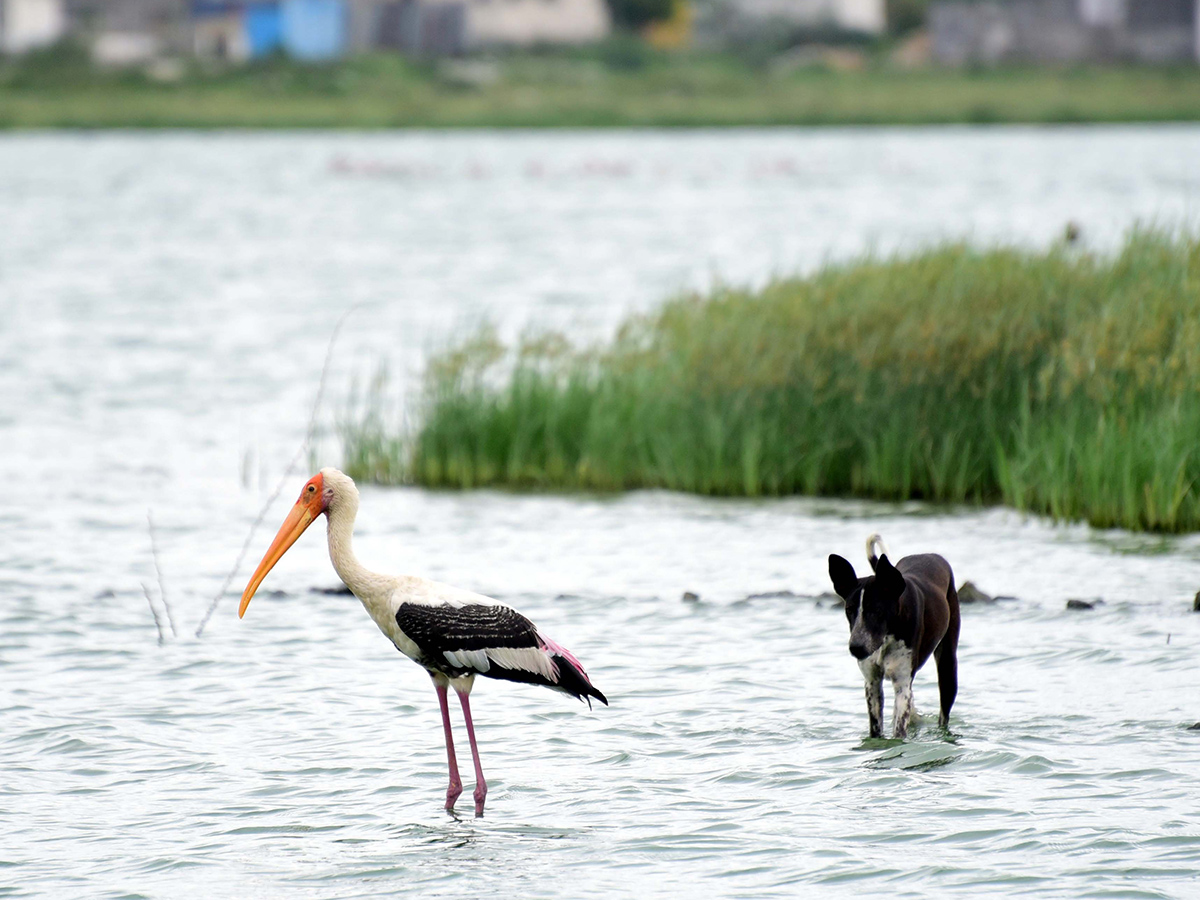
[[929, 604]]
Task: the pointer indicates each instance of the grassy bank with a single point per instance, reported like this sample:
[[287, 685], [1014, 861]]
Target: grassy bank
[[1055, 381], [618, 84]]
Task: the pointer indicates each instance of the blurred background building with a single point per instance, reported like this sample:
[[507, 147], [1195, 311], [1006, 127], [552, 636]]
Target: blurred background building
[[960, 32], [1065, 31], [132, 31]]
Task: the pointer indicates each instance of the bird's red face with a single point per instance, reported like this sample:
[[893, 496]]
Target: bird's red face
[[311, 504]]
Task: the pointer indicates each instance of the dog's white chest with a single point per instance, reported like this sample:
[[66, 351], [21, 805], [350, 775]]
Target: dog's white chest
[[893, 660]]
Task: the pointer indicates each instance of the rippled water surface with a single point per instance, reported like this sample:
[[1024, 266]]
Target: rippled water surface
[[167, 303]]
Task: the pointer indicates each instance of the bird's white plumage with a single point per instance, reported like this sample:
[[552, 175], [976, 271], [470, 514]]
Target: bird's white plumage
[[468, 659], [422, 591], [525, 659]]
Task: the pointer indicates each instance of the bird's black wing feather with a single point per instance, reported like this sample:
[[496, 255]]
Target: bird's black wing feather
[[442, 629], [476, 626]]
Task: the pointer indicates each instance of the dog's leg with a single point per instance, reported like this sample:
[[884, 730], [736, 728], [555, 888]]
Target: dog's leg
[[946, 656], [875, 705], [899, 668], [947, 668], [903, 706]]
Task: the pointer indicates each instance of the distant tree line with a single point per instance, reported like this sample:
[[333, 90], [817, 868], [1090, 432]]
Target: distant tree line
[[635, 14]]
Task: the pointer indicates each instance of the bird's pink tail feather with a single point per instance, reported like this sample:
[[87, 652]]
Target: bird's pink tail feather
[[576, 682], [559, 650]]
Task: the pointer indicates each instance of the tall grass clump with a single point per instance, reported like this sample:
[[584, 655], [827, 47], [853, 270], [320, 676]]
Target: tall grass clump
[[1057, 381]]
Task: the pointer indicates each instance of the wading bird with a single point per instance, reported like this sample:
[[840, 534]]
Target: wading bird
[[453, 633]]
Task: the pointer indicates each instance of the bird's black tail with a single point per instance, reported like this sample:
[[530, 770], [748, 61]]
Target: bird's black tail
[[574, 681]]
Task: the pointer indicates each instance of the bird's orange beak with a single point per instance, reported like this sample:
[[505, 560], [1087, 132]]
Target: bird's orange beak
[[310, 505]]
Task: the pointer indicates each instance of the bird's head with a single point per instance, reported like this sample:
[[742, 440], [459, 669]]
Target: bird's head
[[328, 490]]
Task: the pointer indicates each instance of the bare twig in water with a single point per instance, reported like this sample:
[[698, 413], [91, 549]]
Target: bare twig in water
[[162, 586], [154, 612], [287, 473]]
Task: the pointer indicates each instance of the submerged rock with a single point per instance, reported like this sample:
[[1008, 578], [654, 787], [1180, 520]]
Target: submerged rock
[[339, 590], [771, 595], [1195, 727], [1196, 603], [968, 592], [1083, 604], [690, 597]]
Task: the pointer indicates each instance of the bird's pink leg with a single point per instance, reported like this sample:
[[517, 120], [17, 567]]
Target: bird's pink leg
[[455, 787], [480, 783]]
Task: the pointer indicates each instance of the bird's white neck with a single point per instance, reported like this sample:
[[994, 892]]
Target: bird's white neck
[[370, 587]]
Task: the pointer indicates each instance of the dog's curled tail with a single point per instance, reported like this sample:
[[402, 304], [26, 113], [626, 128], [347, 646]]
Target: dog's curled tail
[[874, 543]]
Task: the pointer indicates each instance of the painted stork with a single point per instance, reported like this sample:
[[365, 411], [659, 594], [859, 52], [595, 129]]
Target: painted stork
[[454, 634]]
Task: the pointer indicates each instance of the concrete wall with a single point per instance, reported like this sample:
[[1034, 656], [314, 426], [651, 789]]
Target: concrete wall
[[363, 24], [868, 16], [221, 36], [29, 24], [1163, 30], [128, 32], [447, 27], [737, 20], [525, 23], [127, 15]]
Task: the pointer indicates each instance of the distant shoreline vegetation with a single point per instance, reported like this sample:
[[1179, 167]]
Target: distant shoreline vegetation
[[618, 83], [1056, 382]]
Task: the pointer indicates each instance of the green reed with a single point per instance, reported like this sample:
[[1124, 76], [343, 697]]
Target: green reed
[[1058, 382]]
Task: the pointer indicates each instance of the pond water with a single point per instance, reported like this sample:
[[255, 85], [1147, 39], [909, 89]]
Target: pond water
[[168, 300]]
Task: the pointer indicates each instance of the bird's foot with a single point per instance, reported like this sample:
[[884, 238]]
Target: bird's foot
[[452, 793], [480, 797]]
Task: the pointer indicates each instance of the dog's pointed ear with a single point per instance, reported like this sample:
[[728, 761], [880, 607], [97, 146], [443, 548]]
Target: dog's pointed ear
[[888, 578], [845, 581]]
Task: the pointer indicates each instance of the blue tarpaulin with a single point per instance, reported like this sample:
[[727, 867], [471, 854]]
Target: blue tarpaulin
[[264, 28], [313, 29]]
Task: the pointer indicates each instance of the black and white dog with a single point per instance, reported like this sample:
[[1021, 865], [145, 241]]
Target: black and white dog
[[898, 617]]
